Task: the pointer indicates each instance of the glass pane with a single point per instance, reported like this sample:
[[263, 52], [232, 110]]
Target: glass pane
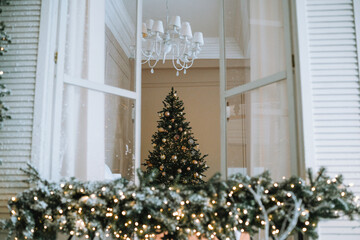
[[177, 32], [258, 131], [120, 44], [254, 40], [97, 127]]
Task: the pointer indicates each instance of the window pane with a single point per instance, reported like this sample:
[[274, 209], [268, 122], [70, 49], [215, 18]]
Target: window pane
[[120, 43], [258, 131], [97, 127], [254, 40]]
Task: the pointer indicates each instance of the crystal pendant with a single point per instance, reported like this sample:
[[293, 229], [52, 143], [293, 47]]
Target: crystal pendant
[[177, 73], [152, 71], [184, 71], [177, 61]]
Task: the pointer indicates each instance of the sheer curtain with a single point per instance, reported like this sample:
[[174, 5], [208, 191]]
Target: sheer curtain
[[267, 124], [82, 137]]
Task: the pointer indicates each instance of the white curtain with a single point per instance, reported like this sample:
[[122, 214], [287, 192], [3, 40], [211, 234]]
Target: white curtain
[[82, 141], [268, 130]]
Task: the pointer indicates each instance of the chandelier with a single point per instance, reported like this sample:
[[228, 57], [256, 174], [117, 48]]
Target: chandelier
[[176, 41]]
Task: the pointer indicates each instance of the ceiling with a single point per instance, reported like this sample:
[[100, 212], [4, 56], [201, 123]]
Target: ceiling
[[203, 15]]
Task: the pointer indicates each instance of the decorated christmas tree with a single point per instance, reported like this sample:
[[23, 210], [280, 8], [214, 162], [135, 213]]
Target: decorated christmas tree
[[176, 153]]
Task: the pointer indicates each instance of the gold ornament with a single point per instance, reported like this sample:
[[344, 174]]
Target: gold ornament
[[171, 177], [161, 129], [196, 174], [150, 165], [179, 170], [180, 129], [195, 162], [183, 148], [163, 140], [154, 144], [175, 95], [188, 168], [176, 137], [185, 132], [161, 148], [162, 157], [161, 167], [170, 126], [172, 120], [173, 157], [160, 114], [167, 114], [163, 173]]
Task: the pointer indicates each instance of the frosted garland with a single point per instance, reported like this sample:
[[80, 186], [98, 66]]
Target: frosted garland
[[217, 208]]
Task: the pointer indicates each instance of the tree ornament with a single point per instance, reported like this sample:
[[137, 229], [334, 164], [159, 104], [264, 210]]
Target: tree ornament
[[161, 129], [171, 177], [175, 94], [172, 120], [180, 129], [191, 141], [160, 114], [161, 167], [196, 174], [161, 148], [195, 162], [183, 148], [154, 144], [162, 157], [173, 157], [188, 168], [167, 114], [179, 170], [170, 126], [163, 173], [185, 132], [164, 140], [176, 137]]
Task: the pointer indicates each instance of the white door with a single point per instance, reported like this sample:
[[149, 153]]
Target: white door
[[257, 100], [97, 93]]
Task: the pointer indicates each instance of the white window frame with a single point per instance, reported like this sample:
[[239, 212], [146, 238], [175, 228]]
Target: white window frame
[[284, 75], [46, 143]]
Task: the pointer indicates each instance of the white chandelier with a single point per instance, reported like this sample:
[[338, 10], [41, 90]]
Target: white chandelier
[[177, 41]]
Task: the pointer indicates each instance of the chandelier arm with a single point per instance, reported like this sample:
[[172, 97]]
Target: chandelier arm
[[176, 68], [152, 66], [192, 62]]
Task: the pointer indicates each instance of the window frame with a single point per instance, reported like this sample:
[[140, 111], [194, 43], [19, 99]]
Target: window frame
[[283, 75], [46, 145]]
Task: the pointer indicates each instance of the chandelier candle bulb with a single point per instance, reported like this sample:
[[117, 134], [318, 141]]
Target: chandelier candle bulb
[[199, 38], [149, 24], [186, 30], [158, 27], [175, 22]]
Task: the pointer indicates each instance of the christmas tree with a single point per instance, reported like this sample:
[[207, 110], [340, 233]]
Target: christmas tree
[[176, 152]]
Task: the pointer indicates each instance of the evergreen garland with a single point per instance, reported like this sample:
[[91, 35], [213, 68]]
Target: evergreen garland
[[216, 208], [5, 39]]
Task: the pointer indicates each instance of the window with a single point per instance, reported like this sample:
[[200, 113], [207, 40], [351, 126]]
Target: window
[[256, 88]]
